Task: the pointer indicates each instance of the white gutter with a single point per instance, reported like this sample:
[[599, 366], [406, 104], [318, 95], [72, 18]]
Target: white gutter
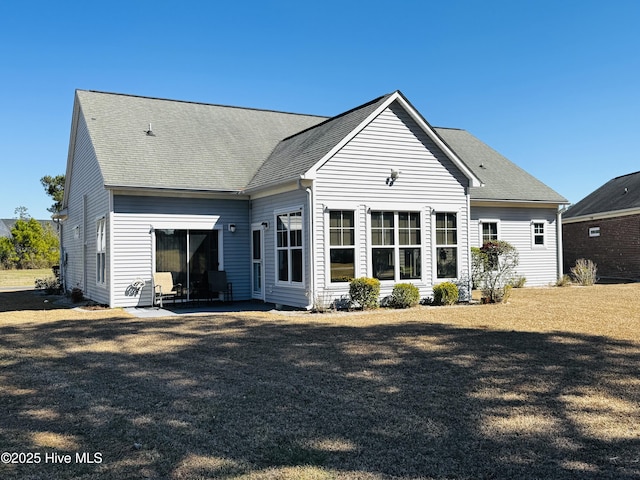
[[559, 243], [312, 249]]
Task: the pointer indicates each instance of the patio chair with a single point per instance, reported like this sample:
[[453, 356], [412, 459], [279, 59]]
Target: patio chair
[[164, 288], [217, 281]]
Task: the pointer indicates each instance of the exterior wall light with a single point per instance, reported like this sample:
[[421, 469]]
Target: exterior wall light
[[232, 227]]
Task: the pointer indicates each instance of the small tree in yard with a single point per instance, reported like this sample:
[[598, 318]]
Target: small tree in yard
[[500, 260]]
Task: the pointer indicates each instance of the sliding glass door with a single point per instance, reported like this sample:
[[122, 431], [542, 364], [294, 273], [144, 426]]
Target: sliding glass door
[[188, 255]]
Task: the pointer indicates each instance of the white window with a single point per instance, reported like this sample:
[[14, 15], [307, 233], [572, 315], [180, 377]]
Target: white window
[[537, 231], [289, 247], [489, 230], [594, 231], [396, 245], [446, 245], [342, 245], [101, 251]]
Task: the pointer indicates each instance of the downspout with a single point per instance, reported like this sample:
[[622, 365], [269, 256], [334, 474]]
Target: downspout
[[560, 260], [469, 256], [312, 249]]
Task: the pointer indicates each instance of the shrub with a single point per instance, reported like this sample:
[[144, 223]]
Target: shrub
[[564, 281], [518, 282], [584, 272], [404, 295], [364, 292], [50, 285], [445, 293], [76, 295], [478, 262], [499, 270]]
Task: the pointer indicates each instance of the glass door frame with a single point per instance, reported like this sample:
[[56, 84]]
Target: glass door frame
[[258, 294], [187, 229]]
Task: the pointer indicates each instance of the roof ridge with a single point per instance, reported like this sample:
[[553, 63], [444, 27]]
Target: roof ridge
[[161, 99], [626, 175]]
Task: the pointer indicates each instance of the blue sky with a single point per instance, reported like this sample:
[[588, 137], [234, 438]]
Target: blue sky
[[552, 85]]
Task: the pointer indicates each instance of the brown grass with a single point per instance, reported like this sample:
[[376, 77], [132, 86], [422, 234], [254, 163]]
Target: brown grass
[[546, 386]]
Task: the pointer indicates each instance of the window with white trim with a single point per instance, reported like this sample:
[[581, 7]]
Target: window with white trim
[[342, 245], [396, 245], [489, 231], [537, 229], [446, 245], [101, 251], [289, 247]]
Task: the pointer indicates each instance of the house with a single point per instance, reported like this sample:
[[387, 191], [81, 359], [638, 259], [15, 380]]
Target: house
[[290, 206], [605, 227]]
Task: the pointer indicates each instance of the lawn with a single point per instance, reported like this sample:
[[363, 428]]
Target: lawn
[[545, 387], [23, 278]]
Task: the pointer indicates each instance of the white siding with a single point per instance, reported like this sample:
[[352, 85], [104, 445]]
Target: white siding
[[134, 220], [88, 200], [357, 178], [263, 210], [537, 264]]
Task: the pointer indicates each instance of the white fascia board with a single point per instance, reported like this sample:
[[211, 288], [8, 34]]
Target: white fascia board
[[602, 216], [419, 119], [397, 96], [311, 173], [72, 149]]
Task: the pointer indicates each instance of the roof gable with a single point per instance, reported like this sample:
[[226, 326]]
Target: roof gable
[[618, 194], [302, 154]]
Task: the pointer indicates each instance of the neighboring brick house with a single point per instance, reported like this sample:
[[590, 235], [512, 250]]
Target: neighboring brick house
[[605, 227]]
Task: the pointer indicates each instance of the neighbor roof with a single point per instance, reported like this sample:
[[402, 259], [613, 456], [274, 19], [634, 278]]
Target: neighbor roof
[[618, 194], [503, 180]]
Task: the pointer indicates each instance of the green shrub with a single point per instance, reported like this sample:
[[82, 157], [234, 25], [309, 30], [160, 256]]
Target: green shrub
[[584, 272], [50, 285], [445, 293], [364, 292], [404, 295]]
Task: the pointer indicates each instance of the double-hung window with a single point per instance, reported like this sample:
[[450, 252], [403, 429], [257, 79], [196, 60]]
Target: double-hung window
[[489, 232], [396, 245], [101, 251], [446, 245], [289, 247], [537, 228], [342, 245]]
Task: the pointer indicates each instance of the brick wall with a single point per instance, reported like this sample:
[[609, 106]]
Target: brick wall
[[616, 251]]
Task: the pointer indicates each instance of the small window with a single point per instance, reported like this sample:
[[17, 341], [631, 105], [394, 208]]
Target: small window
[[489, 232], [594, 232], [538, 234]]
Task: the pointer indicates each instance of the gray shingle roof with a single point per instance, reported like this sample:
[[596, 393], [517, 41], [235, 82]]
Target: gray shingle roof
[[620, 193], [195, 146], [502, 179], [310, 146], [207, 147]]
